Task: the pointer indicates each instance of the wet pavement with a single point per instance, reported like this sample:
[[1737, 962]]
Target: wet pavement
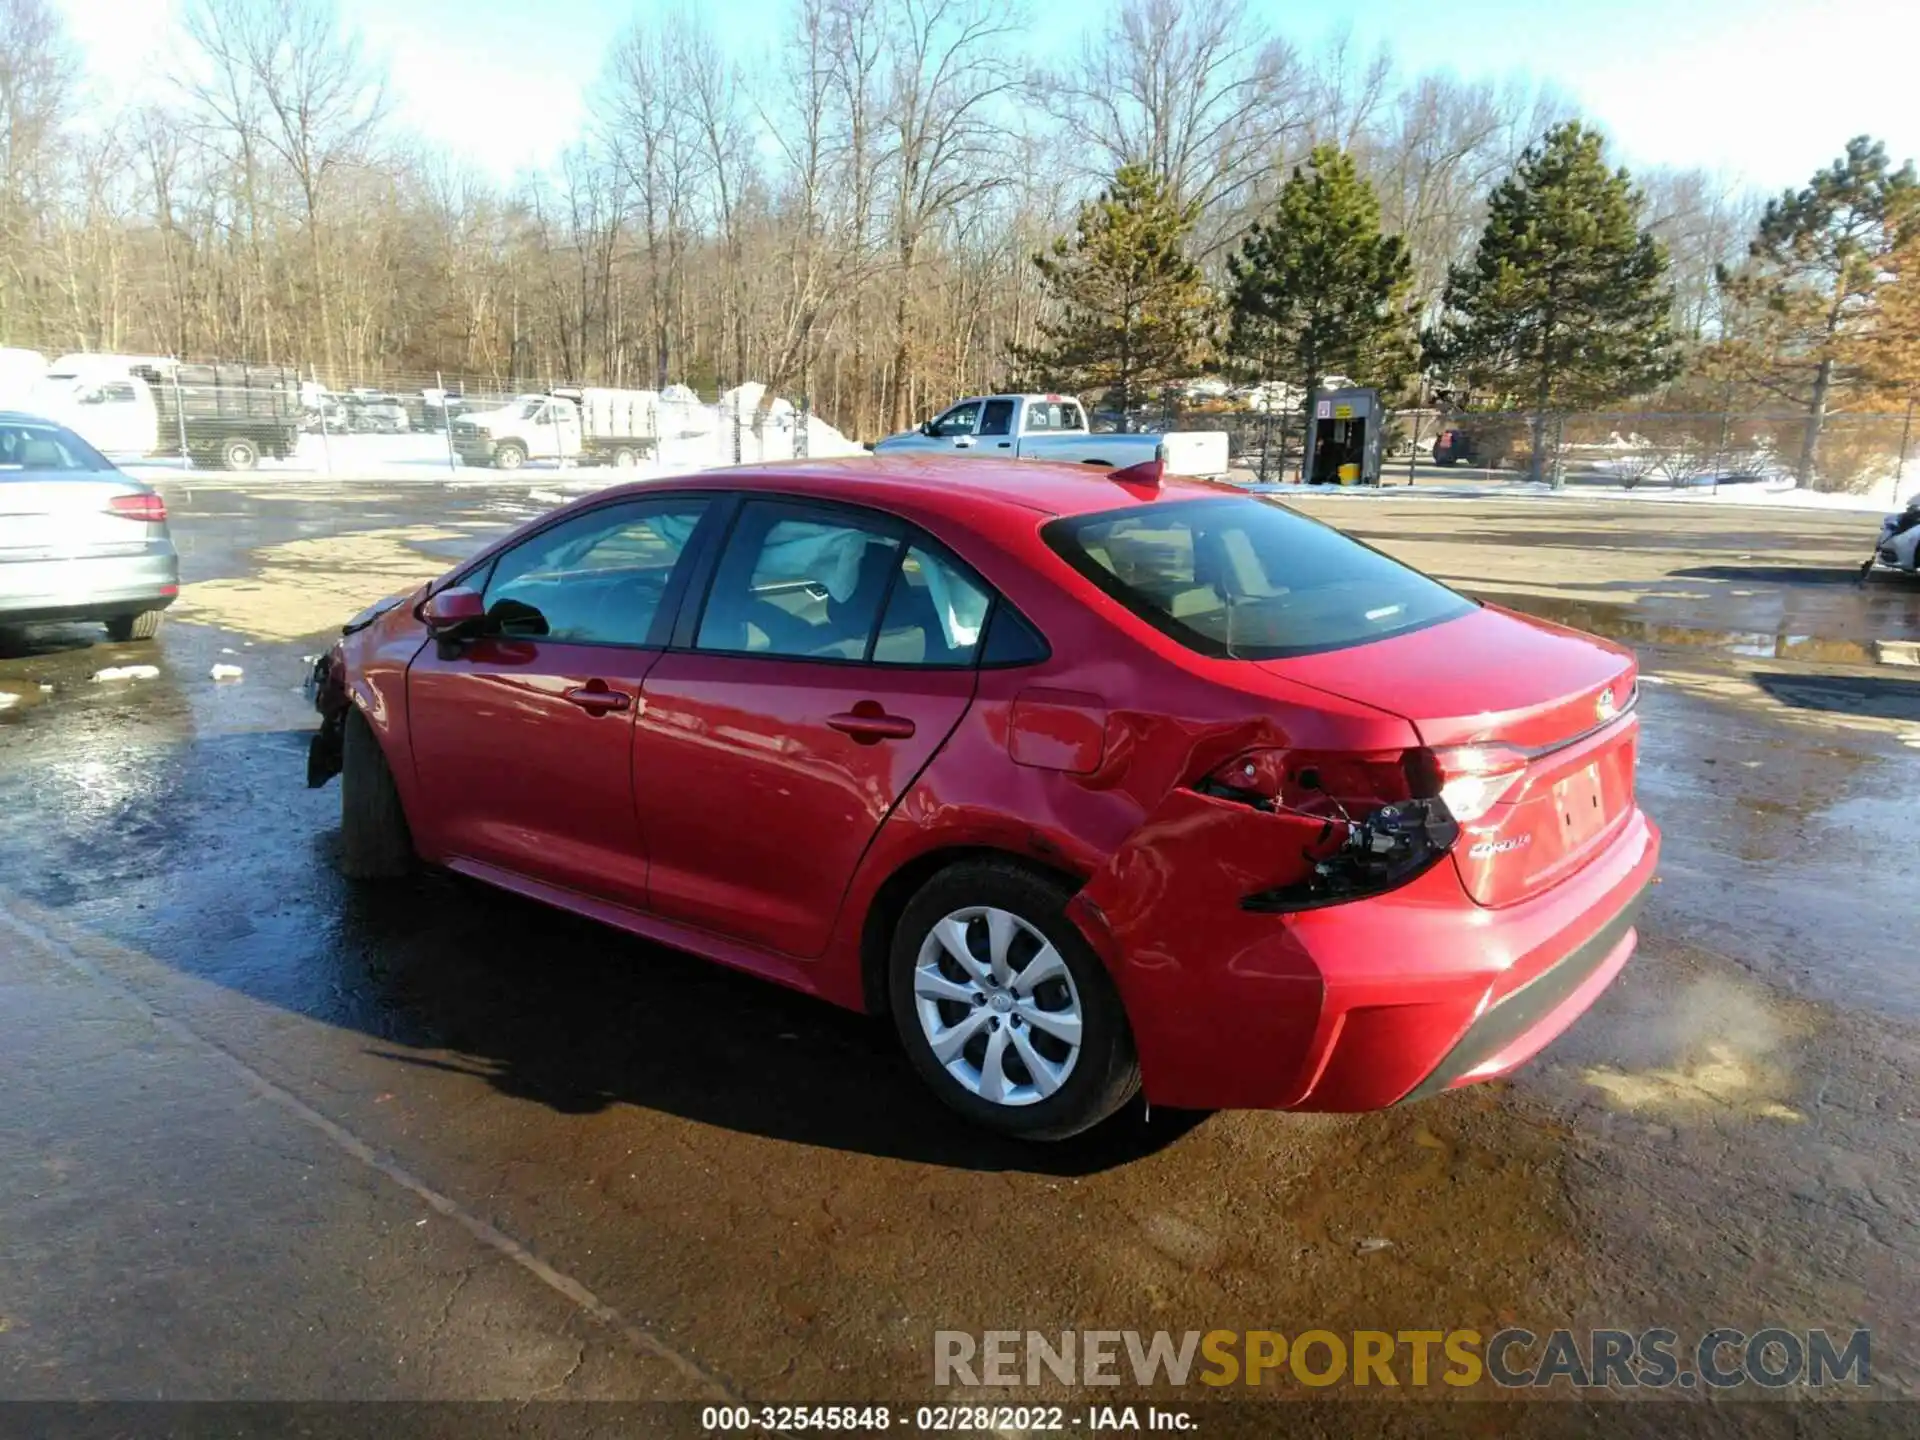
[[272, 1135]]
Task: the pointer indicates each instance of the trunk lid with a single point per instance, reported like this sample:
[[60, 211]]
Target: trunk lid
[[1519, 692], [43, 519]]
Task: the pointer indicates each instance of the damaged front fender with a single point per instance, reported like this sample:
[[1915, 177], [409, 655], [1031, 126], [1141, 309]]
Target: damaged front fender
[[326, 686]]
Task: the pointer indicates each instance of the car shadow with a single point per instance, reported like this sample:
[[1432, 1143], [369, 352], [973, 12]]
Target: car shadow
[[1773, 574], [206, 853], [26, 642], [561, 1011], [1880, 697]]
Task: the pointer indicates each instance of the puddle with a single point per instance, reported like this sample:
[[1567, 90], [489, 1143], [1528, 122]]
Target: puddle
[[1617, 622]]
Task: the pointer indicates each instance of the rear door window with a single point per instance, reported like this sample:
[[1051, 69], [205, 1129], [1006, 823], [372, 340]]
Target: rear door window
[[1245, 579], [800, 581], [935, 613]]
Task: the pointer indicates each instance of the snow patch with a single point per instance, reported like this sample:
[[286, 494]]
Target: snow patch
[[226, 672], [127, 672]]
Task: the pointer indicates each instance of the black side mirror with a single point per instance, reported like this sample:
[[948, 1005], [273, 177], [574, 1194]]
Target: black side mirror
[[926, 427]]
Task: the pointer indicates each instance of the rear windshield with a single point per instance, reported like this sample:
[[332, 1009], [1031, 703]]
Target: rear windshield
[[39, 448], [1247, 580], [1044, 415]]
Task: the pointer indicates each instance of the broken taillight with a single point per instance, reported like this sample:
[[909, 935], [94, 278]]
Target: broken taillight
[[1333, 784], [1472, 779], [150, 508], [1385, 815]]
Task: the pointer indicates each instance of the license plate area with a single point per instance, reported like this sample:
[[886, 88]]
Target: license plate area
[[1581, 806]]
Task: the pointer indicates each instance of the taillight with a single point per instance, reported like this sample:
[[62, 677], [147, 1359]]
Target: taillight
[[150, 508], [1472, 779], [1385, 815]]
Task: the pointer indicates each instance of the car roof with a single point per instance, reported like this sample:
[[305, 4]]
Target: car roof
[[951, 485]]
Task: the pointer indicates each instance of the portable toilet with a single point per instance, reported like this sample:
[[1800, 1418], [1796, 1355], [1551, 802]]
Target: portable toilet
[[1343, 438]]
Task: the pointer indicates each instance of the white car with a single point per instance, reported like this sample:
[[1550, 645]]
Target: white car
[[1053, 427], [1899, 546]]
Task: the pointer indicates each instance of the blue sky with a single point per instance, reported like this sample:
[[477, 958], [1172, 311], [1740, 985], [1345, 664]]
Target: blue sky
[[1761, 90]]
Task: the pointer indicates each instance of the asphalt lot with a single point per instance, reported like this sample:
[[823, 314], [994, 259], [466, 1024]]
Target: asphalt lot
[[271, 1136]]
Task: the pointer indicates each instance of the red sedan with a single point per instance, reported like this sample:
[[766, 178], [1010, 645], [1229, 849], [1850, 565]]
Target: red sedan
[[1094, 783]]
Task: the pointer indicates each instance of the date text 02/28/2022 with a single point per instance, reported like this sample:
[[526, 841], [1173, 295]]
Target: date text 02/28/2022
[[939, 1419]]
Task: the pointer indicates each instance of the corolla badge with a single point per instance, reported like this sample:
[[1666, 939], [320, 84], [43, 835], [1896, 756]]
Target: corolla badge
[[1604, 708], [1487, 849]]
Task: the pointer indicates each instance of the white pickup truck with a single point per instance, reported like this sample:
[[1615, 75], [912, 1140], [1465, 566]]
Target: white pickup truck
[[591, 426], [1053, 427]]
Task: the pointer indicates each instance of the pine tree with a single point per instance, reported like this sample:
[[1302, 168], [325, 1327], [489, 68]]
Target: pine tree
[[1130, 309], [1806, 310], [1317, 289], [1563, 306]]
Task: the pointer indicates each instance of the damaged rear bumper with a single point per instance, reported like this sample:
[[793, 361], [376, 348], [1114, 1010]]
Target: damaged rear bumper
[[1356, 1006]]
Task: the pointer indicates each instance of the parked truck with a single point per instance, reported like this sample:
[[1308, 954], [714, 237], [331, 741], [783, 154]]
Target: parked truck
[[227, 416], [589, 426], [1053, 427], [131, 406]]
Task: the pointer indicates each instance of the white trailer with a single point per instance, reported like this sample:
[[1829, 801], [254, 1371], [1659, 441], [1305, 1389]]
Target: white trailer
[[617, 427]]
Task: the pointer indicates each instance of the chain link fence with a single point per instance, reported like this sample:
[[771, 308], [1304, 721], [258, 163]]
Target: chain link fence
[[164, 415], [295, 420], [1856, 453]]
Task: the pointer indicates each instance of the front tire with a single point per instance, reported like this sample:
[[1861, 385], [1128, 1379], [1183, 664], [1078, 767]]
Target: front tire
[[375, 843], [509, 455], [1003, 1007]]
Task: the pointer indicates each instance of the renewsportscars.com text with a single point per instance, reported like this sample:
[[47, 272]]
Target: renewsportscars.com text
[[1514, 1358]]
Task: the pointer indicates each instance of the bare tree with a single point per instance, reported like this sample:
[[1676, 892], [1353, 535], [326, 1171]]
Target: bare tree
[[1193, 89], [710, 93], [1704, 221], [285, 79], [38, 74], [947, 75], [652, 139]]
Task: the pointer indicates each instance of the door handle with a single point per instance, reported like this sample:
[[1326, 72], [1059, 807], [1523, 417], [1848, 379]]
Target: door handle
[[963, 444], [869, 727], [596, 699], [1006, 444]]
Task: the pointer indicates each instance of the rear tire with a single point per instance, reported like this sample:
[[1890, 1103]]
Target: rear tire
[[237, 452], [625, 458], [375, 843], [1091, 1080], [509, 455], [144, 626]]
